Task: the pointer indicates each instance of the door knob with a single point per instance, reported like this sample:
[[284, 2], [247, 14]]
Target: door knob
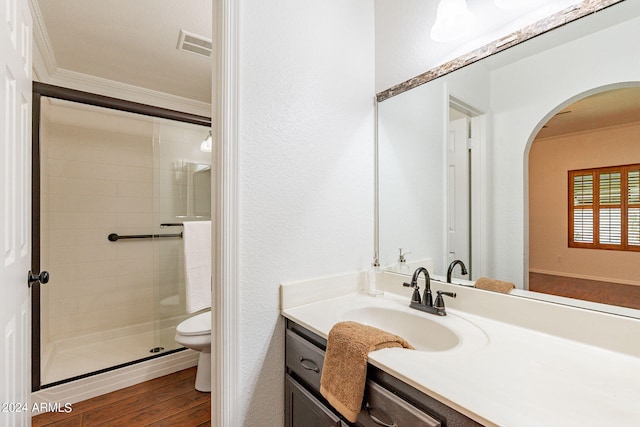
[[32, 278]]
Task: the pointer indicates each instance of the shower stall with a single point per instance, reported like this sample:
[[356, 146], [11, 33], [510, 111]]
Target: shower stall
[[113, 184]]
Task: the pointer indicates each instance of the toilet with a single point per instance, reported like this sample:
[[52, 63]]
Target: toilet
[[195, 333]]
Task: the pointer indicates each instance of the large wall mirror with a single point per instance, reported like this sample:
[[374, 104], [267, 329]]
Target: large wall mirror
[[477, 165]]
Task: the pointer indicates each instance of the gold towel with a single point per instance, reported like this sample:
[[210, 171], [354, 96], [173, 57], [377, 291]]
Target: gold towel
[[344, 371], [494, 285]]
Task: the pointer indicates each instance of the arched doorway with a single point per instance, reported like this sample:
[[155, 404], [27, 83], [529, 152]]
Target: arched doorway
[[583, 221]]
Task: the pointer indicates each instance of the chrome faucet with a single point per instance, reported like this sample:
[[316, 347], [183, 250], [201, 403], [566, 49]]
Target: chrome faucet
[[426, 303], [463, 269]]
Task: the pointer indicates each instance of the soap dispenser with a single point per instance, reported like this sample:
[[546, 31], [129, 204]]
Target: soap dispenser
[[401, 266], [374, 288]]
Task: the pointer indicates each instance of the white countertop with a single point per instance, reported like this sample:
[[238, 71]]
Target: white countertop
[[501, 374]]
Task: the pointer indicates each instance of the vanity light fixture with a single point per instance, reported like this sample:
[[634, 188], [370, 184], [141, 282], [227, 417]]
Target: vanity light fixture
[[207, 143], [453, 20]]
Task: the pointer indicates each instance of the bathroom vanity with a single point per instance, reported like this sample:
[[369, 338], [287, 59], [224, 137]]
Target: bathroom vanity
[[387, 402], [494, 360]]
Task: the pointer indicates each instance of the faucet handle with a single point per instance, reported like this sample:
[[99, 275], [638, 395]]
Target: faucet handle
[[439, 304], [416, 292]]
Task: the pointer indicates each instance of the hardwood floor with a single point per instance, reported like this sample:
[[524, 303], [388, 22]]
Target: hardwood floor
[[171, 401], [589, 290]]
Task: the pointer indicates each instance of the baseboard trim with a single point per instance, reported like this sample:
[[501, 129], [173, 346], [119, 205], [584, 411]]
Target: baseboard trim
[[585, 277], [117, 379]]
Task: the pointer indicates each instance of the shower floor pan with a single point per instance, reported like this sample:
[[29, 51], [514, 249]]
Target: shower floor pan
[[73, 357]]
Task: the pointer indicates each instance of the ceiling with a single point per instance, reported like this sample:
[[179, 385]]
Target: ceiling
[[135, 42], [131, 42], [610, 108]]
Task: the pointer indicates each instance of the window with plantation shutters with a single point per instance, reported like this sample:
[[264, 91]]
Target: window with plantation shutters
[[604, 208]]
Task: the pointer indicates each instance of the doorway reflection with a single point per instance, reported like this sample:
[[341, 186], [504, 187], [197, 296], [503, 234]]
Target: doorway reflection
[[595, 132]]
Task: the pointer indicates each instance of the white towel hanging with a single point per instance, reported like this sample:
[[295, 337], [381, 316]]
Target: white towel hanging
[[197, 263]]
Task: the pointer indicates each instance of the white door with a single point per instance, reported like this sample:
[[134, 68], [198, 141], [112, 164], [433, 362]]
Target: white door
[[15, 212], [458, 215]]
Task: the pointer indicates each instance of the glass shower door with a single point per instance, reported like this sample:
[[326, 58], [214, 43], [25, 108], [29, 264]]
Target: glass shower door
[[109, 179], [182, 192]]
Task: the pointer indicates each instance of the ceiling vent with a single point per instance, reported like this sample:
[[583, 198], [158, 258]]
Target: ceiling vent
[[194, 43]]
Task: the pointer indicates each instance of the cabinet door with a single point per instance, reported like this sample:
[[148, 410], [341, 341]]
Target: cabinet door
[[304, 410], [383, 408]]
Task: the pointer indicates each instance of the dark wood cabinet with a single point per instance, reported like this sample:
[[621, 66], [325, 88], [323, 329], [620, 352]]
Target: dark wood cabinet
[[304, 410], [387, 400], [380, 407]]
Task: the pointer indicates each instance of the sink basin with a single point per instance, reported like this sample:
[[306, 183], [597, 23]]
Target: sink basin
[[421, 332]]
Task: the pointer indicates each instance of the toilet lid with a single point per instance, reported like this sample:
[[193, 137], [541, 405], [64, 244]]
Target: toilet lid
[[196, 325]]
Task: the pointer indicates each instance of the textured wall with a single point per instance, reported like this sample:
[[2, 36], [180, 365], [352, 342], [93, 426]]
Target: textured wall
[[306, 169]]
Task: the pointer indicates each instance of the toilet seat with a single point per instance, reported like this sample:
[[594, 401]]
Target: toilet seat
[[196, 325]]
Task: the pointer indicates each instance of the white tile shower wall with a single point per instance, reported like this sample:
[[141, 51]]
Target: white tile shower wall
[[94, 183]]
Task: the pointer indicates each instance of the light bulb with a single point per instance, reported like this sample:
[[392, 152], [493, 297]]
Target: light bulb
[[207, 143], [453, 20]]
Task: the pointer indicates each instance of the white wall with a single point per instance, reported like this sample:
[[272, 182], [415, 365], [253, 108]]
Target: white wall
[[306, 169], [524, 95]]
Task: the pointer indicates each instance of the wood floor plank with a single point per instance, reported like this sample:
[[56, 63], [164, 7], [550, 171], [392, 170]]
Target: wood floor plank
[[171, 397], [159, 411], [192, 417], [135, 402], [73, 421], [106, 399]]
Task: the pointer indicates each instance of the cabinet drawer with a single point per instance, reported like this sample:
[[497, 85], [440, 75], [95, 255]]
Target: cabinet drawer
[[304, 359], [383, 408]]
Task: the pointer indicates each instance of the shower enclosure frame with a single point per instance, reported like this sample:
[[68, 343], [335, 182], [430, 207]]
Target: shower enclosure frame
[[50, 91]]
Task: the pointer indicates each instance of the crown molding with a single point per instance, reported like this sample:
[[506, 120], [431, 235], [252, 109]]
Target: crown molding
[[47, 64], [98, 85], [47, 70]]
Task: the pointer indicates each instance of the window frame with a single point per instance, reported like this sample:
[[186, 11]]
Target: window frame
[[624, 205]]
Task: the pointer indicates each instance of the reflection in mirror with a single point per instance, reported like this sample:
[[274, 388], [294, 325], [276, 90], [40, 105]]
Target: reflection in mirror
[[520, 90], [192, 190], [584, 223], [428, 177]]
